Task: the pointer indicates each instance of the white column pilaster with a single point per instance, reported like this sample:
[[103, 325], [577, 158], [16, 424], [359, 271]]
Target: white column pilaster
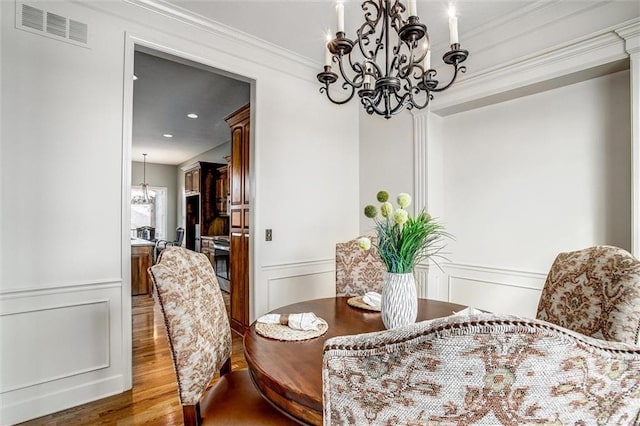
[[427, 154], [631, 36], [420, 177]]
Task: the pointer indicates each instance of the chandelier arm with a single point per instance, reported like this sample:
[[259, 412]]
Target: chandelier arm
[[461, 69], [420, 71], [406, 100], [359, 72], [395, 14], [368, 28], [413, 101], [371, 105], [404, 71], [325, 89]]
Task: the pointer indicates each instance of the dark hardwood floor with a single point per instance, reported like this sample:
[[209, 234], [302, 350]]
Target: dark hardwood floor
[[154, 397]]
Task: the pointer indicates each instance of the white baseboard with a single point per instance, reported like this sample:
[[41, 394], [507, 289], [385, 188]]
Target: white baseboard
[[42, 404]]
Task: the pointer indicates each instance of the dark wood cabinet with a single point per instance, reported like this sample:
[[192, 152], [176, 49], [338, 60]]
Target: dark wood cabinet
[[239, 188], [207, 248], [202, 214], [222, 190], [141, 261], [239, 283]]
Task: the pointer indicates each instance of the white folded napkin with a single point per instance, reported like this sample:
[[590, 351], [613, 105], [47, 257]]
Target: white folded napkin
[[372, 298], [304, 321], [468, 311]]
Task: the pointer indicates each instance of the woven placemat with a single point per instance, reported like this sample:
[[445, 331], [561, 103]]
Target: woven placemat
[[286, 333], [357, 302]]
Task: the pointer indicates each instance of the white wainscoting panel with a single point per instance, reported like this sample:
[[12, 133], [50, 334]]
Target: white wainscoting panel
[[60, 347], [296, 282], [493, 289], [421, 274], [56, 328]]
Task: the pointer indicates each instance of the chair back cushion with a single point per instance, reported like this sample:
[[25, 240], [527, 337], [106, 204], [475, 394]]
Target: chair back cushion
[[179, 236], [480, 370], [596, 292], [195, 319], [357, 270]]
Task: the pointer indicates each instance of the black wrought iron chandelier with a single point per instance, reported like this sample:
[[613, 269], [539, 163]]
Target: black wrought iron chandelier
[[402, 77]]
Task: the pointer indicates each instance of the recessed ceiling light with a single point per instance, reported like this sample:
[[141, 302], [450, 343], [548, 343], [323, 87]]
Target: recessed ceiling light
[[192, 115], [168, 135], [135, 77]]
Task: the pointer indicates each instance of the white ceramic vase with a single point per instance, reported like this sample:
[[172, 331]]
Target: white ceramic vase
[[399, 300]]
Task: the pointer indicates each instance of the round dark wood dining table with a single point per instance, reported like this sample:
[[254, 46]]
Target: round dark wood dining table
[[289, 374]]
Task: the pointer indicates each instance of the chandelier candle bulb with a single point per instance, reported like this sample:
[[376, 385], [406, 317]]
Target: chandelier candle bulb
[[453, 27], [340, 13], [412, 9], [327, 56]]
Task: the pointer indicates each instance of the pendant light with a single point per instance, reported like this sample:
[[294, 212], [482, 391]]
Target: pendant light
[[145, 185], [388, 65]]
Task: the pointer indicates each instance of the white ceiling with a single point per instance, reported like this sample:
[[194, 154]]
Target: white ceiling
[[165, 92], [300, 27]]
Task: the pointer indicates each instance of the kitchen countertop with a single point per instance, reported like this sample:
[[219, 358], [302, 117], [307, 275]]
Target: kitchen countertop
[[139, 242]]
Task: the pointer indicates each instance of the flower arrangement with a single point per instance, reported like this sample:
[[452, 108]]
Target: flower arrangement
[[403, 241]]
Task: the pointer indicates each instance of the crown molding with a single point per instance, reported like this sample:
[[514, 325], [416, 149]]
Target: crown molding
[[631, 35], [203, 23], [588, 57]]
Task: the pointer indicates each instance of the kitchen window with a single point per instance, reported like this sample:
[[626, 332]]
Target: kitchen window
[[152, 213]]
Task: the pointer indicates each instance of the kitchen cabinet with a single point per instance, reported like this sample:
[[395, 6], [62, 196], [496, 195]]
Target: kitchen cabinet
[[202, 214], [222, 189], [239, 189], [141, 261]]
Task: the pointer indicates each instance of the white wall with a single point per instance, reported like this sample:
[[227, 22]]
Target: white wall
[[391, 166], [541, 47], [162, 175], [531, 177], [65, 169]]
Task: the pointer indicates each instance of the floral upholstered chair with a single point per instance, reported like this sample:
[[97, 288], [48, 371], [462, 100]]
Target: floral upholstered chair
[[596, 292], [357, 271], [480, 370], [200, 341]]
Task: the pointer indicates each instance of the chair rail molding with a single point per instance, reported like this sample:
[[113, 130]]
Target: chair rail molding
[[508, 290], [293, 282]]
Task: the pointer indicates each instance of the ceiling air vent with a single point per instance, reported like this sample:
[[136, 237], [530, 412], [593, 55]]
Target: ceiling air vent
[[52, 25]]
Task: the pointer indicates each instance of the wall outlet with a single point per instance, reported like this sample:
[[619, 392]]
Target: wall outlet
[[268, 235]]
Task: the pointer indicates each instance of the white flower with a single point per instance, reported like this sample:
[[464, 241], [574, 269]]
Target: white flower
[[364, 243], [400, 216], [404, 199], [386, 209]]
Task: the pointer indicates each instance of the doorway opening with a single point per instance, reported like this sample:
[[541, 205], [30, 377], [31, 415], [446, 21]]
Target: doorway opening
[[180, 113]]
